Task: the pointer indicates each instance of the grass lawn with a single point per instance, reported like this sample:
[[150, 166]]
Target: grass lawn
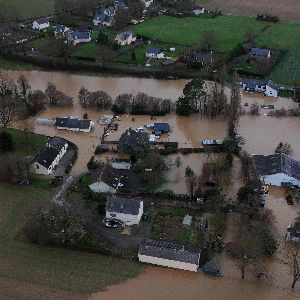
[[30, 8], [8, 64], [230, 30], [30, 145], [40, 42], [28, 271], [91, 50], [287, 71]]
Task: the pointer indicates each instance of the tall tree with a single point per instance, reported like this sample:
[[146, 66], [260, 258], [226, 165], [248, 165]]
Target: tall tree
[[83, 96], [209, 39], [8, 110], [23, 91], [190, 180]]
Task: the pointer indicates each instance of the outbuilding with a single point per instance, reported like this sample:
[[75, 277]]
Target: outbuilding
[[169, 254], [40, 24], [127, 210]]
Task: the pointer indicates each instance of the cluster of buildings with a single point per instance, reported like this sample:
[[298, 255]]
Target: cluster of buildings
[[266, 87]]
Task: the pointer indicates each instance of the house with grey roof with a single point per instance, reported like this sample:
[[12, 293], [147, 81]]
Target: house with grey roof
[[49, 157], [272, 89], [259, 53], [40, 24], [125, 38], [103, 19], [127, 210], [78, 37], [154, 52], [252, 85], [277, 169], [169, 254], [60, 31], [74, 124], [131, 139]]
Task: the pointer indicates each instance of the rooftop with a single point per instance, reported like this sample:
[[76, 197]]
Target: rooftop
[[154, 50], [128, 206], [170, 250], [46, 156], [259, 53], [42, 21], [73, 123]]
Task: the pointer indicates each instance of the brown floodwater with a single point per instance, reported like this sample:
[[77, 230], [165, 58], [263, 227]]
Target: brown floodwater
[[262, 134]]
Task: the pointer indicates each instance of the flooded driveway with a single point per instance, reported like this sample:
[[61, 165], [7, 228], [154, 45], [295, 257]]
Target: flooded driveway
[[262, 134]]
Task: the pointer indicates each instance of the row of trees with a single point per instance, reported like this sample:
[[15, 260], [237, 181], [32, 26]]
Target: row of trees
[[124, 103], [19, 100]]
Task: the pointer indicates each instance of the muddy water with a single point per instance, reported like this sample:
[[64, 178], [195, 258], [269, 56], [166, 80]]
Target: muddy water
[[262, 134]]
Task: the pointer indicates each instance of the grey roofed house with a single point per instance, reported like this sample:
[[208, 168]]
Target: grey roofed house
[[273, 85], [41, 21], [276, 163], [72, 123], [80, 35], [259, 53], [61, 28], [124, 35], [252, 83], [154, 50], [170, 250], [129, 206], [46, 156], [202, 57], [57, 143], [110, 11], [131, 139]]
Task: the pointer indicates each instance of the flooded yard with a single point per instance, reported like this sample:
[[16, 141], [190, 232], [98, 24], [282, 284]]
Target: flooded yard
[[262, 134]]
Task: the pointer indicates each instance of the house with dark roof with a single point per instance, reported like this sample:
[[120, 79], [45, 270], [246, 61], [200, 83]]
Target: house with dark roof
[[103, 19], [125, 38], [154, 52], [132, 139], [259, 53], [160, 128], [40, 24], [277, 169], [169, 254], [77, 37], [272, 89], [74, 124], [49, 157], [61, 31], [127, 210], [252, 85]]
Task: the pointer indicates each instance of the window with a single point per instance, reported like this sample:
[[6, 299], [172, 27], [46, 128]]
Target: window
[[37, 166]]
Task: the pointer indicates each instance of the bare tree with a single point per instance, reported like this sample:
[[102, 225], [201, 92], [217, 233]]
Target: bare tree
[[284, 148], [190, 180], [23, 91], [122, 103], [178, 161], [100, 99], [122, 17], [254, 109], [250, 35], [83, 96], [293, 262], [209, 39], [56, 97], [8, 110]]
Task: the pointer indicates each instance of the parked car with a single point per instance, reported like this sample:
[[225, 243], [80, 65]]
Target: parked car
[[111, 223]]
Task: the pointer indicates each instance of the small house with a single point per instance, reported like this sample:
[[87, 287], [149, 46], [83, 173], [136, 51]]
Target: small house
[[40, 24], [73, 124], [272, 89], [252, 85], [61, 31], [125, 38], [259, 53], [160, 128], [154, 52], [127, 210], [78, 37], [48, 158], [132, 139], [121, 164], [277, 169], [169, 254]]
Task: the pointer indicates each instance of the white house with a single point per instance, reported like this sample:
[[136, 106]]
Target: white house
[[277, 169], [127, 210], [154, 52], [40, 24], [125, 38], [169, 254], [73, 124], [77, 37], [272, 89], [49, 157], [252, 85]]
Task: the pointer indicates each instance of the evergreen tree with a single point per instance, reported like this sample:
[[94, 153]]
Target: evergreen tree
[[6, 142]]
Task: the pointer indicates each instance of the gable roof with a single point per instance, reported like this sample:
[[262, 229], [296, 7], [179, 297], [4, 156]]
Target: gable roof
[[61, 28], [124, 35], [154, 50], [57, 143], [259, 52], [72, 123], [129, 206], [273, 85], [133, 138], [109, 11], [253, 82], [276, 163], [46, 156], [41, 21], [170, 250], [162, 127], [80, 35]]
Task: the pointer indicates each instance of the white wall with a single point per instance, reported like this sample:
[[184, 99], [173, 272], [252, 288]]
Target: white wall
[[36, 25], [276, 179], [271, 92], [168, 263]]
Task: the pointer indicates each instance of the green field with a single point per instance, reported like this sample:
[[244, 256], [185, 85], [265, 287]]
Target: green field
[[7, 64], [28, 271], [230, 31], [26, 9], [29, 145]]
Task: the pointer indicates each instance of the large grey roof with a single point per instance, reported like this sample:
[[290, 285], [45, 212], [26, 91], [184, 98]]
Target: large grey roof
[[46, 156], [80, 34], [42, 21], [276, 163], [259, 53], [57, 143], [154, 50], [125, 35], [133, 138], [129, 206], [73, 123], [170, 250]]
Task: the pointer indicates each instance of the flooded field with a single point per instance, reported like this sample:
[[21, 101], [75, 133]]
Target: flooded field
[[262, 134]]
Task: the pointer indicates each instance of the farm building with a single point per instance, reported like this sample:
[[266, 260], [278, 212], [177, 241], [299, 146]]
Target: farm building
[[132, 139], [73, 124], [77, 37], [277, 169], [154, 52], [125, 38], [127, 210], [169, 254], [40, 24], [259, 53], [48, 158]]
